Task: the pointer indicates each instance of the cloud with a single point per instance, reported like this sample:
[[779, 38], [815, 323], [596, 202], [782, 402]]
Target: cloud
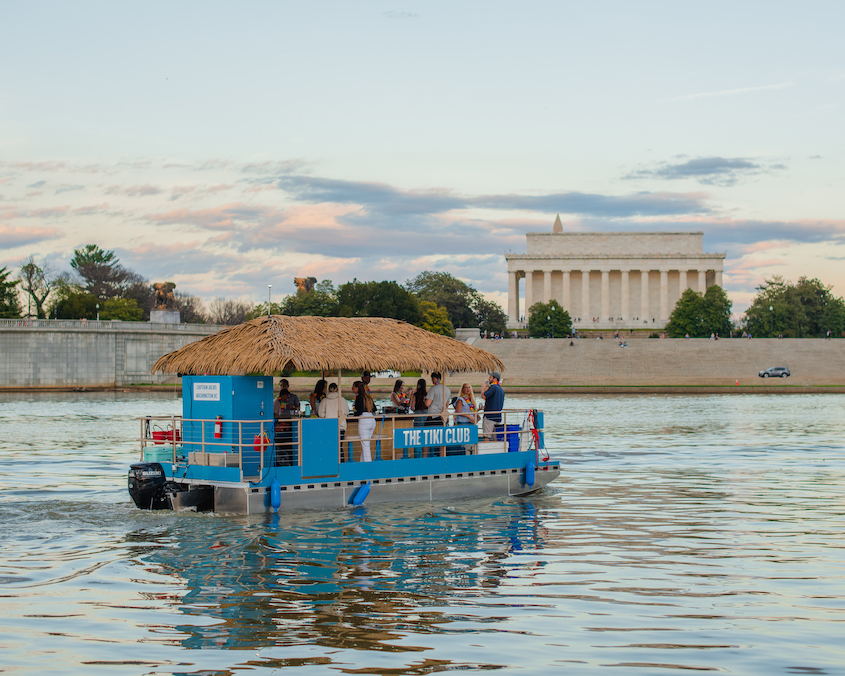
[[722, 171], [37, 184], [730, 92], [65, 187], [11, 237], [385, 199], [46, 212], [224, 217], [134, 191]]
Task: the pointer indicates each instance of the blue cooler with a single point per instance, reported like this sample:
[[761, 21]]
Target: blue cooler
[[512, 436]]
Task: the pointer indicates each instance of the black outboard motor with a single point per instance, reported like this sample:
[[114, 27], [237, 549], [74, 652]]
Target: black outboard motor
[[146, 485]]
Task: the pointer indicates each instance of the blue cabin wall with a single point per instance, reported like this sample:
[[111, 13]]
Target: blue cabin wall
[[232, 398]]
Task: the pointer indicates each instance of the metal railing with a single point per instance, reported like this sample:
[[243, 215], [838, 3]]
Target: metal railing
[[254, 445], [105, 324]]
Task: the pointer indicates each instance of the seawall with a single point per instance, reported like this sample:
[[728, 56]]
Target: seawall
[[50, 354]]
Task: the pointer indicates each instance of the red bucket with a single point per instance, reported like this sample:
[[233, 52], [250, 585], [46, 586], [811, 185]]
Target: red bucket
[[166, 436]]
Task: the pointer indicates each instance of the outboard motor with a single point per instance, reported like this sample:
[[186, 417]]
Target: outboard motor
[[146, 486]]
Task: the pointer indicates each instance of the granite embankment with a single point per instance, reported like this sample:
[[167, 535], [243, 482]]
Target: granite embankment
[[679, 364]]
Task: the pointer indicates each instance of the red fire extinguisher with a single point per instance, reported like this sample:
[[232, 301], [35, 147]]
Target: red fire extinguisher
[[218, 427]]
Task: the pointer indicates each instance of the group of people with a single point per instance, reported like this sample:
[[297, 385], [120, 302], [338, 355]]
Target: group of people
[[429, 405]]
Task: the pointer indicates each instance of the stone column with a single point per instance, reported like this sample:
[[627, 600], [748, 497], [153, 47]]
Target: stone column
[[664, 295], [566, 301], [585, 296], [702, 281], [547, 286], [644, 309], [683, 286], [626, 313], [718, 278], [513, 297], [605, 295], [529, 291]]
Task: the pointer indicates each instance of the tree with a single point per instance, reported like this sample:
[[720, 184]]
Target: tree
[[549, 319], [10, 307], [805, 309], [378, 299], [688, 316], [100, 271], [75, 304], [124, 309], [491, 317], [717, 312], [37, 283], [321, 301], [228, 312], [436, 319], [444, 290], [699, 315], [191, 308]]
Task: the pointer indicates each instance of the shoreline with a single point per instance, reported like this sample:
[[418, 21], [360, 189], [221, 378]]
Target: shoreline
[[509, 389]]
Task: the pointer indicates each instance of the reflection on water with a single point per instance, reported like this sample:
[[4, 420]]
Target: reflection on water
[[686, 533]]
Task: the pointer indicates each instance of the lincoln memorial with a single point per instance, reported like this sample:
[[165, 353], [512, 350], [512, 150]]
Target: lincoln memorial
[[610, 280]]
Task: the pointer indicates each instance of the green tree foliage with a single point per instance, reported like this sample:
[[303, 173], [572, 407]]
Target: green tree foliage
[[10, 307], [491, 317], [447, 291], [124, 309], [75, 304], [467, 308], [549, 319], [803, 310], [100, 271], [378, 299], [321, 301], [701, 315], [436, 319]]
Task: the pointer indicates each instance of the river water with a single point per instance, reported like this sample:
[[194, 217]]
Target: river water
[[685, 533]]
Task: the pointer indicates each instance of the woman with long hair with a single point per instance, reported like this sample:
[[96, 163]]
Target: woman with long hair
[[398, 398], [418, 406], [364, 409], [465, 406], [317, 395]]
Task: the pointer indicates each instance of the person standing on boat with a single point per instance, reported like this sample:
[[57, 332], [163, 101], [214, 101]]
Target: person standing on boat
[[494, 400], [365, 379], [335, 406], [317, 396], [437, 401], [364, 408], [465, 406], [291, 404], [398, 398]]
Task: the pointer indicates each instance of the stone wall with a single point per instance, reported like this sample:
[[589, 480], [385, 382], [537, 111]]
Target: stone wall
[[45, 353]]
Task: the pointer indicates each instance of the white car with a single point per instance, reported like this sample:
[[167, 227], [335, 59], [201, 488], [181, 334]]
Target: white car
[[387, 374]]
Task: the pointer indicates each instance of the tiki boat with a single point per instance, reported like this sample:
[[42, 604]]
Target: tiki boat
[[227, 453]]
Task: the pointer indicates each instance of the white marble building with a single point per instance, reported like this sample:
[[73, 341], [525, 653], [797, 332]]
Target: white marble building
[[610, 280]]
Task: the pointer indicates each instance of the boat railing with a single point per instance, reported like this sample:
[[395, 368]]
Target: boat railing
[[251, 446]]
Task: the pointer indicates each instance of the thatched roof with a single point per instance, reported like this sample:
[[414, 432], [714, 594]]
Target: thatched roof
[[269, 345]]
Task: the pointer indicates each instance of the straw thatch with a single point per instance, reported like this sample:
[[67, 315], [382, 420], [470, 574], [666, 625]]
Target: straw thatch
[[269, 345]]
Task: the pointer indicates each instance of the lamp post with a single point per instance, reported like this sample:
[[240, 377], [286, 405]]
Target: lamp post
[[553, 326], [269, 290], [772, 319], [98, 312]]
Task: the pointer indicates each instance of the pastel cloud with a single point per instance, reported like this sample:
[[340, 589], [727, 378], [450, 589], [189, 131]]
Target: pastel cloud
[[11, 237], [722, 171]]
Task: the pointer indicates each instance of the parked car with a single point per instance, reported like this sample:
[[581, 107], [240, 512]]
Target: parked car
[[775, 372], [387, 374]]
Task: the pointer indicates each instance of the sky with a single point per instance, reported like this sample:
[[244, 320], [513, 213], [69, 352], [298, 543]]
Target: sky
[[226, 146]]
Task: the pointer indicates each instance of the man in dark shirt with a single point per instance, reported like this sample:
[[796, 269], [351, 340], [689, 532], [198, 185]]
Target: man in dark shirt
[[494, 400]]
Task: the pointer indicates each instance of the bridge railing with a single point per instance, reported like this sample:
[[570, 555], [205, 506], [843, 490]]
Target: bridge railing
[[116, 325]]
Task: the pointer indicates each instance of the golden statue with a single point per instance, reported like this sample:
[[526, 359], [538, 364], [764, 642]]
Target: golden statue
[[304, 284]]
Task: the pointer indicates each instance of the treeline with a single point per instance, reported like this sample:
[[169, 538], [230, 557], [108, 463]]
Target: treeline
[[435, 301], [97, 283]]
